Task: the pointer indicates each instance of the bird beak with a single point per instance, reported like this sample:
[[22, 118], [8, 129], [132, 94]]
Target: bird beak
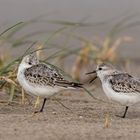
[[91, 72], [94, 77]]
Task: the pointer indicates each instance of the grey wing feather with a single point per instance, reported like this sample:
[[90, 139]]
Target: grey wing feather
[[39, 74], [123, 82], [43, 74]]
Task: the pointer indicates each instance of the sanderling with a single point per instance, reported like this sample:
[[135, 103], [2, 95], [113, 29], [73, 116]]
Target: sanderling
[[41, 79], [118, 86]]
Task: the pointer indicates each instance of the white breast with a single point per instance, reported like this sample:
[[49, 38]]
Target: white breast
[[126, 99]]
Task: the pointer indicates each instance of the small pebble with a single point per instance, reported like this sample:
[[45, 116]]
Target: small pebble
[[54, 113]]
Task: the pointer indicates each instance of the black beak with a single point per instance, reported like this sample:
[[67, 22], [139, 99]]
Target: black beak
[[91, 72], [93, 79]]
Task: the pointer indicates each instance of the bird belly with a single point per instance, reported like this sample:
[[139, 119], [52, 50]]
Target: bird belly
[[43, 91], [126, 99], [37, 90]]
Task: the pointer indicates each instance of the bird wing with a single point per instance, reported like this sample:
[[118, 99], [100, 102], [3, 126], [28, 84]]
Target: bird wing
[[43, 74], [123, 82]]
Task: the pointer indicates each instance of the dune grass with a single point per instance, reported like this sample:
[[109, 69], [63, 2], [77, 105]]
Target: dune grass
[[91, 52]]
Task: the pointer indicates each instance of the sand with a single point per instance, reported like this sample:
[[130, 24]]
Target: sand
[[84, 121]]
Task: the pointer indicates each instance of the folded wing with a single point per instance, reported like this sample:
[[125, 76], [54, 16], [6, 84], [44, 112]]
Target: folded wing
[[123, 82], [44, 75]]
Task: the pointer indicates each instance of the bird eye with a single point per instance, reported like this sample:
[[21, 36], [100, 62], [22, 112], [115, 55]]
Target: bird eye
[[100, 68], [30, 63]]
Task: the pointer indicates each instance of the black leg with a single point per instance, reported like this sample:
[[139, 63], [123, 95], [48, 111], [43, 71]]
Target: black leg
[[125, 112], [41, 110]]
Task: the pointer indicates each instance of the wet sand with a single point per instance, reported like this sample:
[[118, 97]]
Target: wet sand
[[84, 121]]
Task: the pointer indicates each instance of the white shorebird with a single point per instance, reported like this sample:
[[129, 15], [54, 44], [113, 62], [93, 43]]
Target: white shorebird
[[118, 86], [41, 79]]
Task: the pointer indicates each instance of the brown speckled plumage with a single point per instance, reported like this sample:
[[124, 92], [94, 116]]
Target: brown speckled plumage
[[44, 75]]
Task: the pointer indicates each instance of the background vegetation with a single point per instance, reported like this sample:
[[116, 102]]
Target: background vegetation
[[90, 52]]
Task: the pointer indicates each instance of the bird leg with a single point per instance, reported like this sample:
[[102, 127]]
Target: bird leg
[[41, 110], [124, 113]]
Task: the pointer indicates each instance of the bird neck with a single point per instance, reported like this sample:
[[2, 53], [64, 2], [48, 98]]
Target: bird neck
[[23, 67]]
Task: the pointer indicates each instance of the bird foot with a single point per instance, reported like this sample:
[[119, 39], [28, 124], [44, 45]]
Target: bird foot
[[120, 116], [39, 111]]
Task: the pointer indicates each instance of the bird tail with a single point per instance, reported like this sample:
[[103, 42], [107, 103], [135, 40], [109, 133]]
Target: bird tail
[[76, 85], [68, 84]]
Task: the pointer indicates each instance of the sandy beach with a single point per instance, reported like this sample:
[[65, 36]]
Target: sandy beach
[[85, 119]]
